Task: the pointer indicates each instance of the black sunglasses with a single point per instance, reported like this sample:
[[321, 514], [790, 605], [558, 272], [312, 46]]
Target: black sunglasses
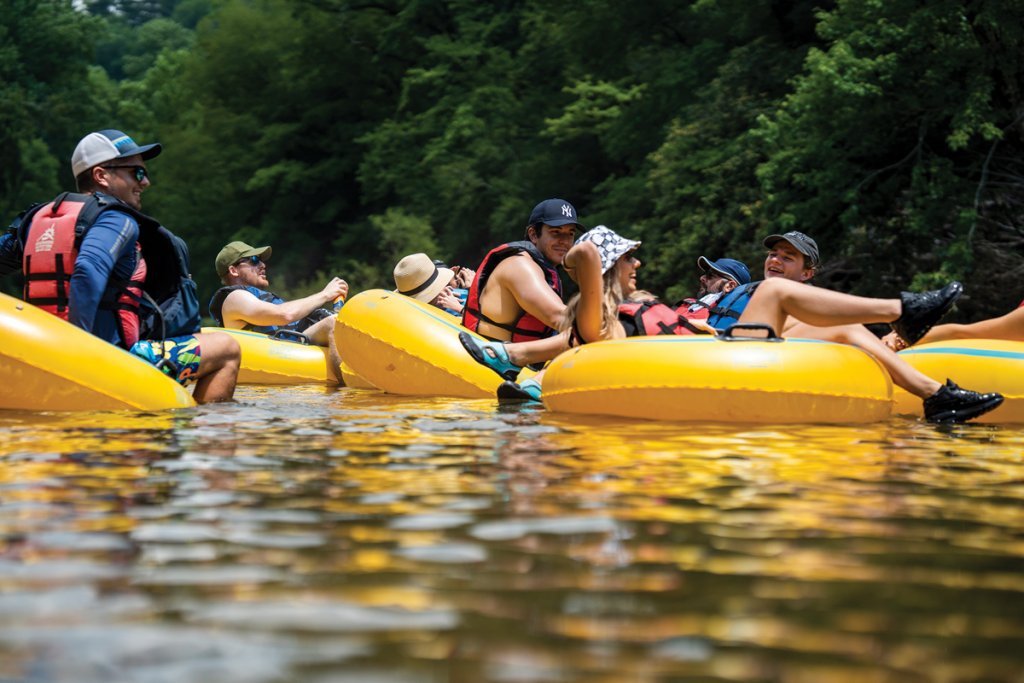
[[140, 171], [252, 260]]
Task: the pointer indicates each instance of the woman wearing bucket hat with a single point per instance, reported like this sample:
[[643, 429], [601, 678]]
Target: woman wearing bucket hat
[[603, 264]]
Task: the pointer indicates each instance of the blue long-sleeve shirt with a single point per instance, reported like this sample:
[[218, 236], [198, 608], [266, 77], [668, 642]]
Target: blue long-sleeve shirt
[[108, 252]]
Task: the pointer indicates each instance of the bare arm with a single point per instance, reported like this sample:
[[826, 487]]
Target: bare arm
[[525, 280], [242, 307], [583, 263]]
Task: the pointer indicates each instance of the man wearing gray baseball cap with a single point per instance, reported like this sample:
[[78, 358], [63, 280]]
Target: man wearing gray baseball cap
[[794, 256], [94, 259]]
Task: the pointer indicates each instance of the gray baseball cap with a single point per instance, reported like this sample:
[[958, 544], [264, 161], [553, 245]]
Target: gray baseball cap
[[107, 145], [804, 244]]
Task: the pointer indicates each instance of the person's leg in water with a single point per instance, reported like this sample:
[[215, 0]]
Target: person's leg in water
[[321, 333], [220, 357]]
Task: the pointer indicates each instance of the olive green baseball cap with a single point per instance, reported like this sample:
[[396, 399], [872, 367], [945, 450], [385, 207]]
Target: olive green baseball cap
[[235, 252]]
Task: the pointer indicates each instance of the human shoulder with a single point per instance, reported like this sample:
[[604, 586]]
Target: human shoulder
[[116, 219], [112, 231], [518, 265], [239, 295]]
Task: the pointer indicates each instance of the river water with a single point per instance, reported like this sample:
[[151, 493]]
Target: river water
[[332, 536]]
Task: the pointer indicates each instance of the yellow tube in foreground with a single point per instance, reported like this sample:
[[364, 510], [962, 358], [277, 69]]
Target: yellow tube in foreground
[[709, 379], [49, 364]]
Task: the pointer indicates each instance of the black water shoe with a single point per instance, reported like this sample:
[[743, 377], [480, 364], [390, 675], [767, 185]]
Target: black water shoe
[[921, 311], [953, 404], [529, 390]]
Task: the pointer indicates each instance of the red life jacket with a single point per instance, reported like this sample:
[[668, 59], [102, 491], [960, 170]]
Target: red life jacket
[[651, 318], [701, 310], [525, 327], [51, 244]]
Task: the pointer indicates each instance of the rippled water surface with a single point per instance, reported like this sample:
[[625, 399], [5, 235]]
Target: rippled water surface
[[320, 535]]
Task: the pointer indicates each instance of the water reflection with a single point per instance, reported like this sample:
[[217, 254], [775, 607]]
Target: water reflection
[[314, 534]]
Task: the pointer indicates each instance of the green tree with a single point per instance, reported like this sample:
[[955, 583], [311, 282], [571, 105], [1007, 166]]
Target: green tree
[[886, 148], [45, 99]]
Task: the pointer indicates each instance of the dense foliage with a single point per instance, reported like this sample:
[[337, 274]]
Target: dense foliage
[[347, 134]]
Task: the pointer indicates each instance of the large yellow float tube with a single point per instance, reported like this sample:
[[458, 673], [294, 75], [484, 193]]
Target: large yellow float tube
[[266, 360], [404, 346], [979, 364], [705, 378], [49, 364], [352, 379]]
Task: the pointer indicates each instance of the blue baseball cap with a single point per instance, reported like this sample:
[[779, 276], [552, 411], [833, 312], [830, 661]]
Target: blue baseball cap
[[555, 212], [730, 268]]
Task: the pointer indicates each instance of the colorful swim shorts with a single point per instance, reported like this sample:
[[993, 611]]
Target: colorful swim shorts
[[184, 352]]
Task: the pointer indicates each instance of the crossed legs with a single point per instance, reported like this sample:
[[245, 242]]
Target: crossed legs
[[833, 316]]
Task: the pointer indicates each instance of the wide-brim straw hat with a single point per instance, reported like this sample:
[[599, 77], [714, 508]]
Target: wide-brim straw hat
[[417, 276]]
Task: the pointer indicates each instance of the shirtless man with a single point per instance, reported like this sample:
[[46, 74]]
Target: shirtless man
[[516, 294]]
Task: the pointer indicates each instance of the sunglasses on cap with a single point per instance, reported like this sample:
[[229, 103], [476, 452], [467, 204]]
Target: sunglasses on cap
[[140, 172], [251, 260]]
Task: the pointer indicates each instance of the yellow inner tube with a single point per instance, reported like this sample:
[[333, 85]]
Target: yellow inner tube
[[979, 364], [404, 346], [276, 361], [49, 364], [705, 378]]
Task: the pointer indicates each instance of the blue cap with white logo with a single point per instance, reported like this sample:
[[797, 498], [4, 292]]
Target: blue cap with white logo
[[555, 212]]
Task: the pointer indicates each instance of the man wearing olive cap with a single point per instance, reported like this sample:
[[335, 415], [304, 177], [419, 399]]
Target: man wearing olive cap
[[94, 259], [244, 303]]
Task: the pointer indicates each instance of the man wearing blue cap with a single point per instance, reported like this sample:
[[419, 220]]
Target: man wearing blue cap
[[516, 294], [717, 279], [94, 259]]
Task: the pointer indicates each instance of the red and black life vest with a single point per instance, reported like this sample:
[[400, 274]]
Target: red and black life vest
[[50, 247], [700, 310], [526, 326], [651, 318]]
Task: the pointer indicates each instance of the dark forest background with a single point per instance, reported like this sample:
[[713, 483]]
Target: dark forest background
[[348, 134]]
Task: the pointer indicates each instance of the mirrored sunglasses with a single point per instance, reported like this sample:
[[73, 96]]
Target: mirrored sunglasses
[[140, 172]]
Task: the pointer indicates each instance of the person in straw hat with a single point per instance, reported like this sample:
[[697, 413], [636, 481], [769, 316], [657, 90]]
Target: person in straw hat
[[431, 282]]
